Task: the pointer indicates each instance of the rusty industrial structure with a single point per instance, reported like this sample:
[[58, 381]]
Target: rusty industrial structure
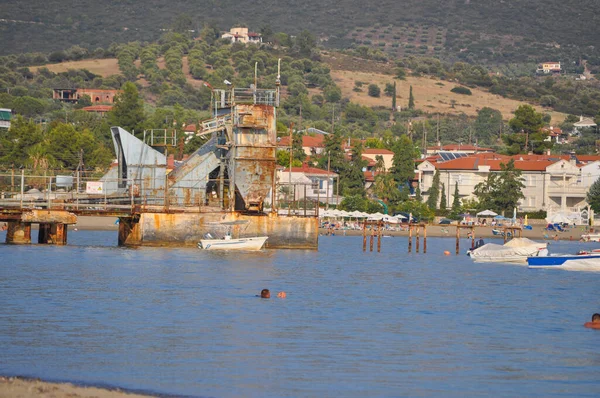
[[231, 177]]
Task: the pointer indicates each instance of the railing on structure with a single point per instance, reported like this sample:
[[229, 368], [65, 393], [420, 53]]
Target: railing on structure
[[297, 200], [93, 195], [227, 98], [161, 137]]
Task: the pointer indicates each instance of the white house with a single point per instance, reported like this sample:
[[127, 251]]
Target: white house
[[241, 35], [552, 183], [310, 183], [584, 122]]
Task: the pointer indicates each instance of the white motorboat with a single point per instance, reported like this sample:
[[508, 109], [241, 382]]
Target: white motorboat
[[229, 243], [225, 241], [515, 250]]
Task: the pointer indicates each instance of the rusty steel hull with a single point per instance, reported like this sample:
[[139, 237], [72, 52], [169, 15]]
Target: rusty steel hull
[[186, 229]]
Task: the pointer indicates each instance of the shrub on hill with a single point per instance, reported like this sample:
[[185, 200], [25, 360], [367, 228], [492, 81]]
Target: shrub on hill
[[461, 90]]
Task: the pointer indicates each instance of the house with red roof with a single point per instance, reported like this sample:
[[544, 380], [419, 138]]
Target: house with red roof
[[308, 182], [386, 154], [552, 182], [242, 35], [312, 145]]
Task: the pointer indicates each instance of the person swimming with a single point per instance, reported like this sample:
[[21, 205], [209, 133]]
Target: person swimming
[[265, 293], [595, 323]]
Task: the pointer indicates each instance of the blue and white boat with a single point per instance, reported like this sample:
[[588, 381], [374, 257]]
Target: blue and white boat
[[589, 261]]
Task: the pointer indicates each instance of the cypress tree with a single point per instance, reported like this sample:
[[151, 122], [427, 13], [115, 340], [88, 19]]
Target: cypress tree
[[443, 200], [456, 200], [394, 98], [434, 191], [411, 99]]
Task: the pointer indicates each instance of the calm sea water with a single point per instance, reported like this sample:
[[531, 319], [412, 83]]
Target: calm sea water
[[354, 324]]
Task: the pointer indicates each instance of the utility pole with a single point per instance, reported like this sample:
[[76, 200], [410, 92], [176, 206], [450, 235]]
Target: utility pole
[[291, 161], [328, 167], [437, 136], [332, 118]]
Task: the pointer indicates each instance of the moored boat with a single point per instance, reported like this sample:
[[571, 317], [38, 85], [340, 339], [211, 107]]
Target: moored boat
[[515, 250], [228, 243], [583, 262]]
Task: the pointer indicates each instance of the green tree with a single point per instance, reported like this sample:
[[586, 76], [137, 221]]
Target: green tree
[[374, 90], [526, 127], [394, 98], [403, 164], [443, 200], [502, 190], [488, 125], [456, 201], [14, 145], [400, 73], [411, 99], [386, 188], [434, 191], [128, 110], [593, 196]]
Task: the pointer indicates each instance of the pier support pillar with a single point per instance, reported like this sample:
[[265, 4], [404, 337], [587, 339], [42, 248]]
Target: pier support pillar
[[18, 232], [53, 233]]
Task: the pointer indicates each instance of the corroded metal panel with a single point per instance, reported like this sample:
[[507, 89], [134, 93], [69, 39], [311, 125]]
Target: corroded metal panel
[[186, 229], [49, 216], [18, 232], [254, 162]]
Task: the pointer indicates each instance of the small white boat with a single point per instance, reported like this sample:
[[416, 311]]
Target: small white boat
[[515, 250], [229, 243]]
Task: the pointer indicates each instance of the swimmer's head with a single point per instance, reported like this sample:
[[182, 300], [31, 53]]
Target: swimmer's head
[[265, 293]]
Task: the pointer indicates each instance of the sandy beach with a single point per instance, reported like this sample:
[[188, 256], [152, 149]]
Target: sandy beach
[[538, 230], [15, 387]]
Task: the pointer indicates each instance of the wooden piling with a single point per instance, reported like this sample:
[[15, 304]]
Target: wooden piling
[[409, 238], [379, 237], [457, 239], [424, 238], [365, 236], [472, 236], [417, 236], [371, 241]]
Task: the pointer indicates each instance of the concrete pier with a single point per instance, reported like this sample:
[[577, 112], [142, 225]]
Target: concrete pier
[[186, 229]]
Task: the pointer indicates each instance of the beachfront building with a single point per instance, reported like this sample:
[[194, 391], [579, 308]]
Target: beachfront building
[[309, 182], [552, 182]]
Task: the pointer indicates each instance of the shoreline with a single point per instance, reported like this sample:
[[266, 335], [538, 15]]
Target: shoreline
[[18, 386], [538, 232]]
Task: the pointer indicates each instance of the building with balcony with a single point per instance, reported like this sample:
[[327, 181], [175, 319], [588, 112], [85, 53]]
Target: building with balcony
[[552, 182]]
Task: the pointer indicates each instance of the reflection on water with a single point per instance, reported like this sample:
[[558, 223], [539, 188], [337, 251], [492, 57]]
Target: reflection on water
[[184, 321]]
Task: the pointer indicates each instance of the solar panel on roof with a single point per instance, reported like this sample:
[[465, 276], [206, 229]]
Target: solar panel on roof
[[452, 155]]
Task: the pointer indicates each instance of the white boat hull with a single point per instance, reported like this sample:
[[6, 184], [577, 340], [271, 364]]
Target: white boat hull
[[253, 243]]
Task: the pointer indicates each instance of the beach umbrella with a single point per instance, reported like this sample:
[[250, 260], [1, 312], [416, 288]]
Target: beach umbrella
[[499, 217], [357, 214], [344, 213], [557, 218], [487, 213], [336, 212]]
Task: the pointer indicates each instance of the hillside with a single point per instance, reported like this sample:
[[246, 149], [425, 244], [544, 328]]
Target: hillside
[[431, 95], [470, 30]]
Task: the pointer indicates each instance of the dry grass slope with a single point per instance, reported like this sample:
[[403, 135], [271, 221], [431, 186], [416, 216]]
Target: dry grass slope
[[431, 95]]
